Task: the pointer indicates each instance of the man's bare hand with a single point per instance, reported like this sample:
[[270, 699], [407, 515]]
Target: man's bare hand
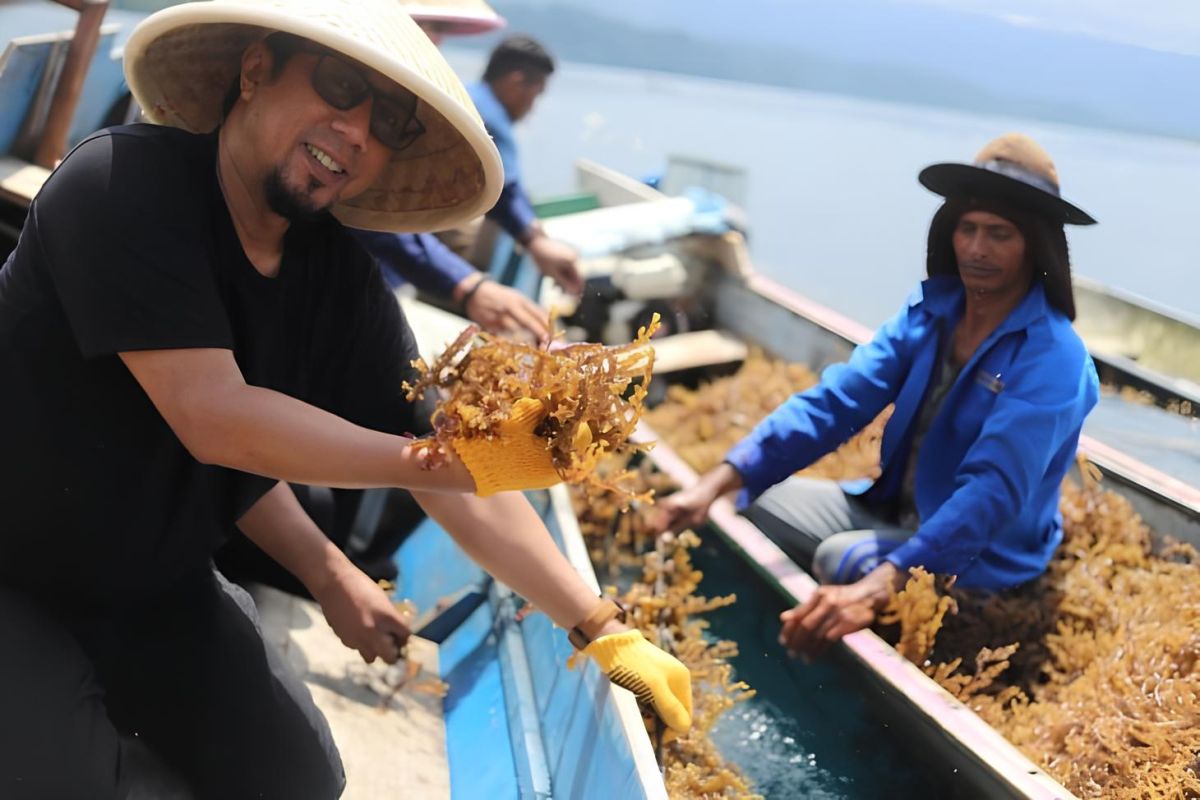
[[832, 612], [689, 508], [557, 261], [500, 309], [684, 509], [362, 616]]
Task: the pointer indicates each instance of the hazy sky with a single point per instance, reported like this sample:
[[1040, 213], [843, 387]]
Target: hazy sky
[[1172, 25]]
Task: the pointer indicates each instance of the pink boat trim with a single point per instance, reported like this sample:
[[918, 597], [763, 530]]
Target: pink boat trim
[[1111, 459]]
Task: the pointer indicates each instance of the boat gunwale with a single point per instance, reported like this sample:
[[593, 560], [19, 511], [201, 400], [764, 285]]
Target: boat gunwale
[[575, 550], [1138, 302], [945, 713]]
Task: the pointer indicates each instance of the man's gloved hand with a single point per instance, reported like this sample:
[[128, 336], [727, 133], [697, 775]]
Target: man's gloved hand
[[515, 459], [657, 678]]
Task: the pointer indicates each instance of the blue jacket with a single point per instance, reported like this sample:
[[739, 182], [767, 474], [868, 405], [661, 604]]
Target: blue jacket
[[417, 258], [989, 470], [513, 211]]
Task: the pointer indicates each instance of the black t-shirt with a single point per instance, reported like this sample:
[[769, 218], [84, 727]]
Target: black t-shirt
[[129, 246]]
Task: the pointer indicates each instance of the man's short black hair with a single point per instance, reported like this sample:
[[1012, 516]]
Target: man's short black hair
[[519, 53]]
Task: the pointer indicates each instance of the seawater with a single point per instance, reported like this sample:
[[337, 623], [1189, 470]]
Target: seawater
[[810, 732], [834, 205]]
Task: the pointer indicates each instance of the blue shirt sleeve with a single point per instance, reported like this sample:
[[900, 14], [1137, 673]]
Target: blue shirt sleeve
[[815, 422], [417, 258], [513, 211], [1037, 414]]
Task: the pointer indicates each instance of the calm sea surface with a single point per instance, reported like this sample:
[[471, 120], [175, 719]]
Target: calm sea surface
[[834, 205]]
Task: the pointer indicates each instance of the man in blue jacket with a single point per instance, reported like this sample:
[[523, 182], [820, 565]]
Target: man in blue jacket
[[990, 385], [516, 75]]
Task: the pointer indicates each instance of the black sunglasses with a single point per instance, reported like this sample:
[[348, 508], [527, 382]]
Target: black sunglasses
[[393, 118]]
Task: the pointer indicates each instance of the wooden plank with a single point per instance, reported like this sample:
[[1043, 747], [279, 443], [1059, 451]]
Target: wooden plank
[[53, 143], [612, 188], [646, 774], [20, 181], [697, 349]]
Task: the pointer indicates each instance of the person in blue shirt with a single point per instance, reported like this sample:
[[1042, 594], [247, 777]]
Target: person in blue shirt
[[990, 386], [515, 77], [421, 258]]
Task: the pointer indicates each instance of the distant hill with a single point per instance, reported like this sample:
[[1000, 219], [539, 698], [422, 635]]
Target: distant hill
[[883, 50]]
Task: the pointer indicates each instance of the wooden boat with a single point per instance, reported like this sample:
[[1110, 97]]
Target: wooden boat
[[635, 223], [743, 308], [1141, 344], [517, 722]]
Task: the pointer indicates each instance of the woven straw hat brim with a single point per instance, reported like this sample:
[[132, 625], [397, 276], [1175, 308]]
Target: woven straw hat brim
[[458, 19], [967, 180], [181, 61]]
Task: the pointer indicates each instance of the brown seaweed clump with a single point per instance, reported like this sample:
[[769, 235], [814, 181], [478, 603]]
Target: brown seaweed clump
[[702, 424], [1143, 398], [666, 606], [592, 394], [1094, 670], [617, 541], [664, 603]]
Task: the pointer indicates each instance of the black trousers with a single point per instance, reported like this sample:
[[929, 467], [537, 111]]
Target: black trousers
[[187, 676]]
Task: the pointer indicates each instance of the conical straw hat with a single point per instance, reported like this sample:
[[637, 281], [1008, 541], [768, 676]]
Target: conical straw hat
[[181, 61], [460, 17]]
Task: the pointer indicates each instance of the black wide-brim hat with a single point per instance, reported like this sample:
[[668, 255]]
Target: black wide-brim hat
[[1014, 169]]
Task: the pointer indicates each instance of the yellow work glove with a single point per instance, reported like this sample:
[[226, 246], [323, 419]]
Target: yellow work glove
[[515, 458], [656, 677]]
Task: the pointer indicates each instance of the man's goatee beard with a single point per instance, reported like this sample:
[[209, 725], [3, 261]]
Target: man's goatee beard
[[288, 203]]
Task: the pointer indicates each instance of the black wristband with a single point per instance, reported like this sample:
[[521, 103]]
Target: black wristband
[[609, 609], [467, 295]]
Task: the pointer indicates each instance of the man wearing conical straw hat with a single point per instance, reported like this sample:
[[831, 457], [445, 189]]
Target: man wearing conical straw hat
[[421, 258], [990, 387], [517, 73], [185, 327]]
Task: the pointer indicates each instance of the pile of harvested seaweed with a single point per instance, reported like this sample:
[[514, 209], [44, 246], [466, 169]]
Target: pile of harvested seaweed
[[701, 425], [592, 395], [1093, 670]]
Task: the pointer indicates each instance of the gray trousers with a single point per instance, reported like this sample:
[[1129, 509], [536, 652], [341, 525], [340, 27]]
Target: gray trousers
[[836, 537], [92, 706]]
